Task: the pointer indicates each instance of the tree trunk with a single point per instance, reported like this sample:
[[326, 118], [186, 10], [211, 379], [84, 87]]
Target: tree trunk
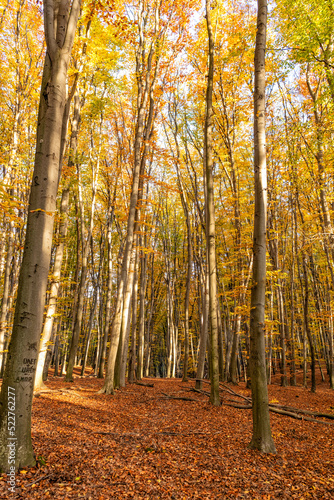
[[331, 350], [293, 380], [234, 351], [48, 324], [210, 219], [204, 279], [154, 292], [5, 295], [49, 352], [262, 439], [282, 327], [23, 349], [89, 332], [133, 352], [306, 325], [108, 299], [141, 326], [122, 355]]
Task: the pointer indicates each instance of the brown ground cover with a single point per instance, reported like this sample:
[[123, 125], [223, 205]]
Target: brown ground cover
[[142, 444]]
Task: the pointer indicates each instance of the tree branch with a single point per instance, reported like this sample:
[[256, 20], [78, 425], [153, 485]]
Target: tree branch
[[71, 25], [49, 28]]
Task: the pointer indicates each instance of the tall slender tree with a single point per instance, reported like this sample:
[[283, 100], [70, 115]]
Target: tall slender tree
[[262, 438], [210, 218], [60, 21]]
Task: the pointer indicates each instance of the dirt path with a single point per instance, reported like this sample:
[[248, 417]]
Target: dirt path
[[141, 444]]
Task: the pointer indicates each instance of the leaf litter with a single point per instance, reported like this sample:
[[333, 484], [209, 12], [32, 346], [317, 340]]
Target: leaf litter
[[168, 442]]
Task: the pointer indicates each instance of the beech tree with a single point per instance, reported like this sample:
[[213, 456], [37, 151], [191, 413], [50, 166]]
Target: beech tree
[[19, 75], [262, 439], [60, 22], [210, 218]]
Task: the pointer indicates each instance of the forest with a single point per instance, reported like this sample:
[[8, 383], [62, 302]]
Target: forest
[[166, 203]]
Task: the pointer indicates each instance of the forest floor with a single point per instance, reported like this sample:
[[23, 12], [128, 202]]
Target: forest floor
[[142, 443]]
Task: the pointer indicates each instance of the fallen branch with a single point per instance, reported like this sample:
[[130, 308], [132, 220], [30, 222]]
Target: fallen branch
[[144, 384], [236, 402], [306, 412], [162, 433], [44, 391], [119, 434], [182, 398], [200, 380], [37, 480], [40, 392], [298, 417], [60, 391], [231, 391], [200, 391], [180, 433], [289, 411], [236, 405], [291, 414]]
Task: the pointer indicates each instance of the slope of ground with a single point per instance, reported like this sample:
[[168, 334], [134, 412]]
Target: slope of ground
[[142, 443]]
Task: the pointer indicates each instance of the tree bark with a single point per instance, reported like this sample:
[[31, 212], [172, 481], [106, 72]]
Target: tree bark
[[262, 438], [306, 324], [122, 355], [204, 287], [109, 296], [210, 219], [133, 351], [141, 322]]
